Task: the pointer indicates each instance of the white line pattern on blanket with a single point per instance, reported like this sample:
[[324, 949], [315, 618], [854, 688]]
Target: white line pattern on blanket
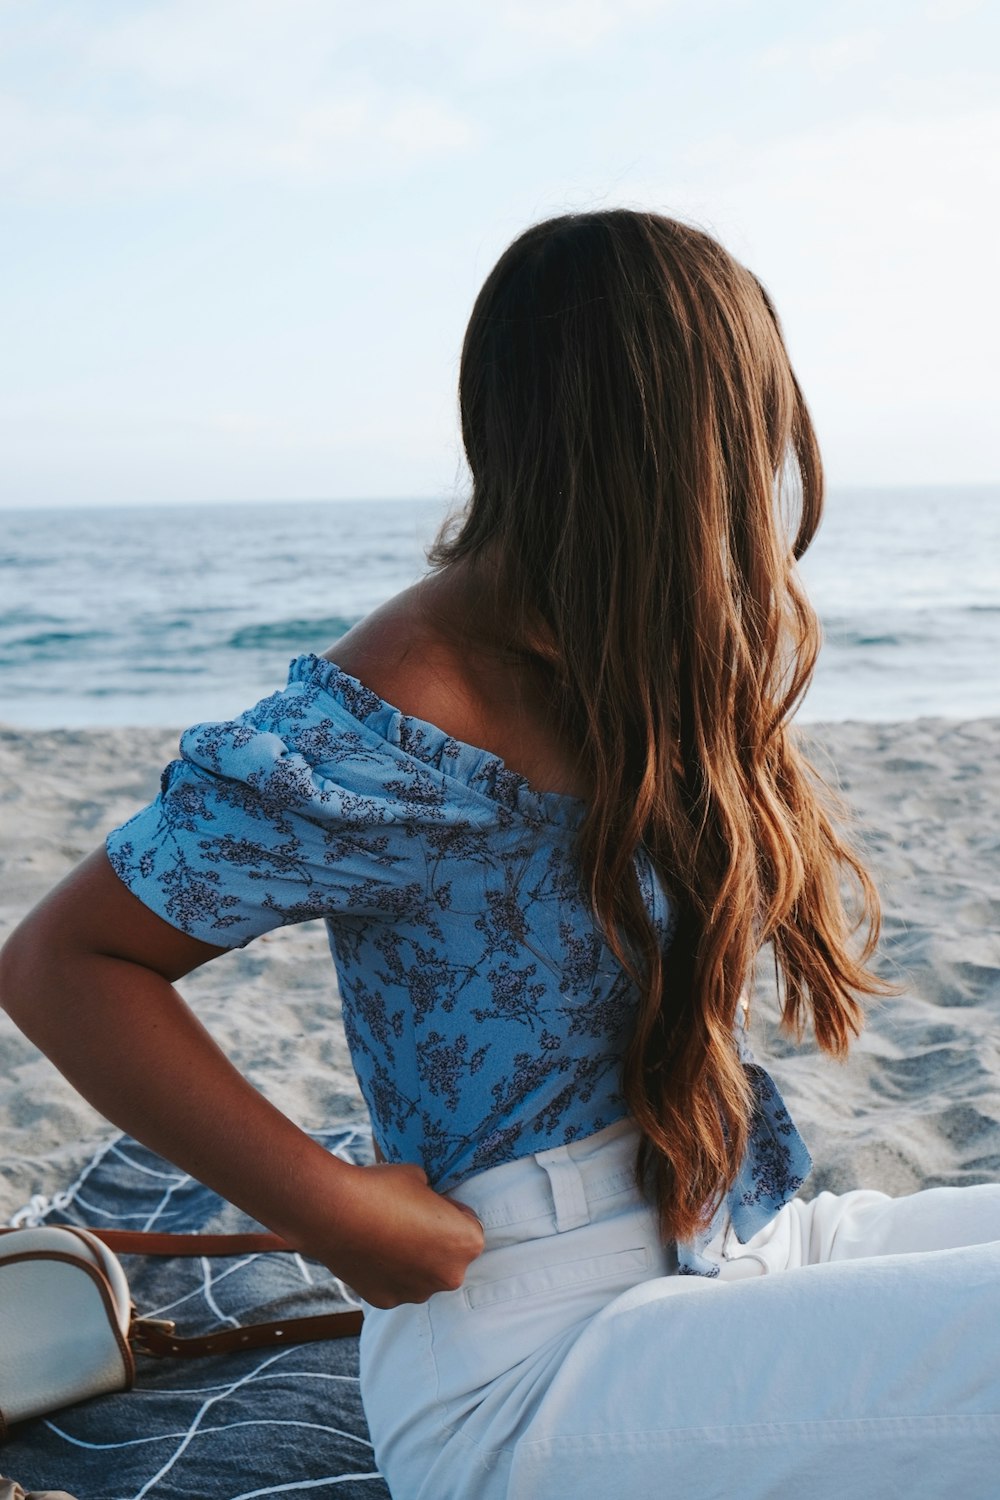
[[165, 1437], [227, 1428]]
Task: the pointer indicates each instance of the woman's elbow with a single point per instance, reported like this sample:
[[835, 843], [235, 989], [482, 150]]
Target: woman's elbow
[[27, 960]]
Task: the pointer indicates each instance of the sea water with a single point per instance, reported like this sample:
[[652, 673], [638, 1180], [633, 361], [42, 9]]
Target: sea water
[[172, 614]]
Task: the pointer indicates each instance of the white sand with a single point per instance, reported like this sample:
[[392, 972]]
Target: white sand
[[917, 1104]]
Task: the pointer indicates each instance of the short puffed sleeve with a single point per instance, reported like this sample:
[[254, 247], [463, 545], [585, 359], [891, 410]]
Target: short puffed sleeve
[[290, 812]]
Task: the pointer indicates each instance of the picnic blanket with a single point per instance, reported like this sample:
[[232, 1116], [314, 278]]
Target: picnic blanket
[[230, 1427]]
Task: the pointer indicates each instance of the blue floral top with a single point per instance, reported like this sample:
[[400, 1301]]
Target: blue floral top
[[486, 1017]]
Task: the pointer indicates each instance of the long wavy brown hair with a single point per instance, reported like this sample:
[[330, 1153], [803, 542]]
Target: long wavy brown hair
[[645, 477]]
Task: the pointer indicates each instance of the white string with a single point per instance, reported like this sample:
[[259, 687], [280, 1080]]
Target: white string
[[41, 1204]]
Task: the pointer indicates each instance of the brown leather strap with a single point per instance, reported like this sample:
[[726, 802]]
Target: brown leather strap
[[148, 1336], [156, 1336], [146, 1242]]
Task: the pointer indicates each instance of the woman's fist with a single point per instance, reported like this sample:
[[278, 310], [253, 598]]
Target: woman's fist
[[392, 1238]]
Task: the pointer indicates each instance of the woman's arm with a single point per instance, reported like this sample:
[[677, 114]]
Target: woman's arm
[[88, 976]]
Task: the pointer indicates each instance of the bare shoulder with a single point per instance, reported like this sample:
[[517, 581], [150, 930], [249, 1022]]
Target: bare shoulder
[[397, 653], [415, 653]]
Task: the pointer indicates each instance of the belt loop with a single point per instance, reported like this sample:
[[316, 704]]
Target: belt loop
[[569, 1197]]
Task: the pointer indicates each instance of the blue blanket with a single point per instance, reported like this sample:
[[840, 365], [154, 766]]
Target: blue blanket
[[262, 1422]]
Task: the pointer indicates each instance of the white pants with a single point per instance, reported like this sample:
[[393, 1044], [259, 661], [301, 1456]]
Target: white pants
[[573, 1363]]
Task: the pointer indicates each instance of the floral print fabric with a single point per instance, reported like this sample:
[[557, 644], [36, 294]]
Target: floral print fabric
[[486, 1017]]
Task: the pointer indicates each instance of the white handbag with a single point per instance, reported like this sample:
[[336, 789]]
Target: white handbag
[[65, 1314], [68, 1329]]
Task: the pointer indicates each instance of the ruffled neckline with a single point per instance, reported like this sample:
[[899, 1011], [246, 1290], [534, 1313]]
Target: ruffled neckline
[[479, 770]]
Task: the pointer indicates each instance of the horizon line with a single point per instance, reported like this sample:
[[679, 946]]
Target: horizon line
[[442, 499]]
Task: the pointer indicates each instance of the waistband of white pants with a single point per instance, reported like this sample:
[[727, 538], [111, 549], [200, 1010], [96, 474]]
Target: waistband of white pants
[[561, 1188]]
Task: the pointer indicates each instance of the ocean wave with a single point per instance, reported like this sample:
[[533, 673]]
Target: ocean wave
[[54, 642], [846, 634], [17, 619], [300, 635], [861, 638]]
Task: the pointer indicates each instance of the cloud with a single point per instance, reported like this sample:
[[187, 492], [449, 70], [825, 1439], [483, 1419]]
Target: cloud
[[69, 153], [950, 11], [229, 53], [411, 128], [227, 44], [825, 57], [578, 24], [182, 94], [164, 94]]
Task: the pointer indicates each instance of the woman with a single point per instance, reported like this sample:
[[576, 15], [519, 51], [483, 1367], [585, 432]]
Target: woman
[[550, 806]]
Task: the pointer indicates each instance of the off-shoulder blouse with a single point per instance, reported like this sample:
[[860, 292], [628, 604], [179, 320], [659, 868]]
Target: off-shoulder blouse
[[485, 1015]]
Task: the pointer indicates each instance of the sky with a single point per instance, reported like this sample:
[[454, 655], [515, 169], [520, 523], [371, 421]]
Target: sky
[[240, 239]]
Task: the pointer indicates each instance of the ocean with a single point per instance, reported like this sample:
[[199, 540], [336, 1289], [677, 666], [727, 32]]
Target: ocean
[[173, 614]]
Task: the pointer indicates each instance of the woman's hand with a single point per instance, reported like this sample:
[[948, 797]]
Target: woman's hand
[[391, 1237]]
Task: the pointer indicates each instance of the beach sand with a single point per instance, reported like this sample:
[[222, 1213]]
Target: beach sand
[[917, 1103]]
